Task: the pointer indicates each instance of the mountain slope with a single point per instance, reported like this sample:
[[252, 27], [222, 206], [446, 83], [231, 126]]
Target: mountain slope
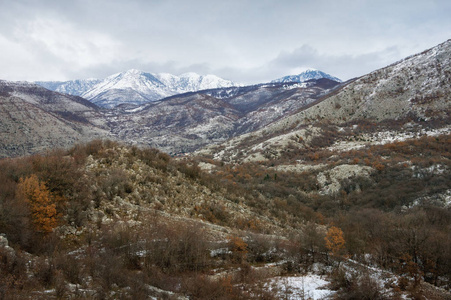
[[33, 119], [185, 122], [137, 224], [180, 123], [133, 87], [416, 90], [418, 86]]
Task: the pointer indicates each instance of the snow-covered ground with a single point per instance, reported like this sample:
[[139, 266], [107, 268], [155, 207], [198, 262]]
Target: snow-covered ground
[[310, 286], [385, 137]]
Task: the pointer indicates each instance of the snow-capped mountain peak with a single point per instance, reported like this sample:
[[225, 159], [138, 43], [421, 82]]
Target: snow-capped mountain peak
[[136, 87], [308, 74]]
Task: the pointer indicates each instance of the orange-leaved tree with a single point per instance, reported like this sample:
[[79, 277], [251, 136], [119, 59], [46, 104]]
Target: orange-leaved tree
[[238, 247], [41, 202], [335, 241]]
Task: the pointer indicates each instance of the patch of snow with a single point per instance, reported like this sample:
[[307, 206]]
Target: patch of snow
[[220, 251], [134, 110], [295, 86], [303, 287]]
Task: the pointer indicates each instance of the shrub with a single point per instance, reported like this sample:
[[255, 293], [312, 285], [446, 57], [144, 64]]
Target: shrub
[[239, 249], [354, 285]]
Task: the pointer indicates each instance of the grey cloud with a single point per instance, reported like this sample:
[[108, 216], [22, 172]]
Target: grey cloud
[[103, 70], [342, 66], [244, 41]]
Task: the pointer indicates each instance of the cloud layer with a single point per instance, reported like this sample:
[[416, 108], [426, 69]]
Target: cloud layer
[[242, 40]]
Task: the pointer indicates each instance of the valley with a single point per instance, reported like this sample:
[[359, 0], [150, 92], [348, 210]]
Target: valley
[[317, 189]]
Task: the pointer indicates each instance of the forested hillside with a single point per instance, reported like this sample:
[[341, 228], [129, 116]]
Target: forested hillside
[[104, 220]]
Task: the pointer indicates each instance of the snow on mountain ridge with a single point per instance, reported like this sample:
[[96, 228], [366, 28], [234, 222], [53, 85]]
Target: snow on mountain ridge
[[308, 74], [72, 87], [137, 87]]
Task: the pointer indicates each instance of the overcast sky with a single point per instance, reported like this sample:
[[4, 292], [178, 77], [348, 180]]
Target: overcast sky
[[241, 40]]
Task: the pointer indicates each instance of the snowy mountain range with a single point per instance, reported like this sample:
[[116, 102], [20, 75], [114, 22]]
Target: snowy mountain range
[[416, 88], [137, 87], [309, 74]]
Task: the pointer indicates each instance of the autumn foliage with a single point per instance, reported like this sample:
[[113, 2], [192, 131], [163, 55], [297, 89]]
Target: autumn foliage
[[41, 202], [335, 241], [238, 247], [372, 219]]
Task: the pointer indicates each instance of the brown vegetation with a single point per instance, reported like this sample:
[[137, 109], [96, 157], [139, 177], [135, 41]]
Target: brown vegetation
[[64, 209]]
